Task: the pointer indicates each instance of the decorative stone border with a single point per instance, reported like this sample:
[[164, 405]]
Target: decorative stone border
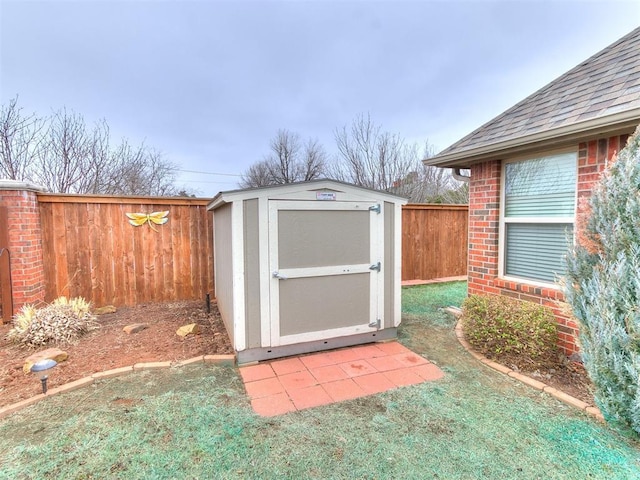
[[226, 360], [538, 385]]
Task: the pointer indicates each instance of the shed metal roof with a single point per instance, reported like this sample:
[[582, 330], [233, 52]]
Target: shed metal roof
[[599, 96]]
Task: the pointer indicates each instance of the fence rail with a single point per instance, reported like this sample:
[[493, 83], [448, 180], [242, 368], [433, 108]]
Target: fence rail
[[91, 250], [434, 241]]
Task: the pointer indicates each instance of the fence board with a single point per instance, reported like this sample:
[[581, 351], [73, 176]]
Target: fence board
[[92, 251], [59, 275], [434, 241]]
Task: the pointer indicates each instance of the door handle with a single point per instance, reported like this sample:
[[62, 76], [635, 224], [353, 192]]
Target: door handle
[[279, 276]]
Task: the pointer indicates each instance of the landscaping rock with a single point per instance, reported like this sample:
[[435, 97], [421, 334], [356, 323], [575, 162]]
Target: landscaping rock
[[135, 328], [104, 310], [48, 354], [191, 329]]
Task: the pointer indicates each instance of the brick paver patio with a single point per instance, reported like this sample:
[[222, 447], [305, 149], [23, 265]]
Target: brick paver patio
[[296, 383]]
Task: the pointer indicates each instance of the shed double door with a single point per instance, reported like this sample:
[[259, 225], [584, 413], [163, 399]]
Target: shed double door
[[326, 273]]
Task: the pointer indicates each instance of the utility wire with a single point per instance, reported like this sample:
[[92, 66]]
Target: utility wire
[[210, 173], [211, 183]]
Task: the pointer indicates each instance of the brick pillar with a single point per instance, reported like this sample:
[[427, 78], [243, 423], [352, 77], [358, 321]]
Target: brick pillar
[[484, 218], [24, 242]]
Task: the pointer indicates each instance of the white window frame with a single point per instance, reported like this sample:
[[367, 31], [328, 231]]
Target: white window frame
[[504, 221]]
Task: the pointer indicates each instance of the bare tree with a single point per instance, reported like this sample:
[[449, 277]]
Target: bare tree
[[288, 162], [257, 175], [20, 141], [429, 184], [97, 164], [314, 162], [138, 171], [283, 161], [61, 162], [64, 155], [372, 158], [149, 174]]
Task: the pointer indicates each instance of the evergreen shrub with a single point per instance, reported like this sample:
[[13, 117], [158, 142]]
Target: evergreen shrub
[[602, 286]]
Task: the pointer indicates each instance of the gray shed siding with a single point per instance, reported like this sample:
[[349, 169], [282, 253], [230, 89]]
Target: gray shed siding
[[389, 264], [252, 272], [224, 266]]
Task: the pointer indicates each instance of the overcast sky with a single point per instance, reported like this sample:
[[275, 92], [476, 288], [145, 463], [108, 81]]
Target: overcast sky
[[209, 83]]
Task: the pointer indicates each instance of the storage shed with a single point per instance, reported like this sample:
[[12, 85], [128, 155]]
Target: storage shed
[[306, 266]]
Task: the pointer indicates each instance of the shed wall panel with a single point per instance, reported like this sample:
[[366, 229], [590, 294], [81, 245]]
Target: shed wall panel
[[223, 244], [252, 272]]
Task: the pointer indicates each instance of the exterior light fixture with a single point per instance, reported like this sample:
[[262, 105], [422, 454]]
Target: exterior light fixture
[[40, 368]]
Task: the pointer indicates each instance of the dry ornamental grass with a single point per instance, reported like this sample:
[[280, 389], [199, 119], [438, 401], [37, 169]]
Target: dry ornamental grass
[[61, 322]]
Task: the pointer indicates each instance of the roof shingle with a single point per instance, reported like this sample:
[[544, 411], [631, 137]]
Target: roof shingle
[[606, 83]]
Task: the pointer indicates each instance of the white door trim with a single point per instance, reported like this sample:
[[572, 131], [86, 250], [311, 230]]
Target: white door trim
[[376, 254], [237, 262], [265, 275]]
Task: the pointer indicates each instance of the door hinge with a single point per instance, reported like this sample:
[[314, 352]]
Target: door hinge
[[376, 266], [376, 324], [375, 208]]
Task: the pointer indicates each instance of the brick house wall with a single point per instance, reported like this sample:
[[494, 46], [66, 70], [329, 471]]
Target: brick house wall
[[484, 226], [24, 243]]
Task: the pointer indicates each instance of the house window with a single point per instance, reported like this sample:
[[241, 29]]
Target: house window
[[539, 199]]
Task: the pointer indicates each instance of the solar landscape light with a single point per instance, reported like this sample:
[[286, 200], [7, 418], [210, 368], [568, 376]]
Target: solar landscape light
[[40, 368]]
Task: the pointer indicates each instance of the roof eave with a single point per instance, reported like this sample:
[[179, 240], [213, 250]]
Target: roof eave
[[556, 137], [229, 196]]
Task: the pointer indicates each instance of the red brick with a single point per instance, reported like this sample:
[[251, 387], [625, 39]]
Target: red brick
[[328, 373], [403, 377], [272, 405], [253, 373], [317, 360], [357, 368], [374, 383], [343, 390], [264, 388], [310, 397], [296, 380], [428, 372], [288, 365]]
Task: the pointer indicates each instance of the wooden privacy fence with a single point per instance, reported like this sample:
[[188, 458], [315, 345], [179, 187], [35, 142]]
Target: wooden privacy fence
[[84, 245], [91, 250], [434, 241]]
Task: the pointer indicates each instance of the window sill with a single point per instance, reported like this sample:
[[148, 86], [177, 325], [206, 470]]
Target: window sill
[[536, 290]]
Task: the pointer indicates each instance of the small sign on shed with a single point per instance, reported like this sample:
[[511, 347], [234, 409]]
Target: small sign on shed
[[307, 266]]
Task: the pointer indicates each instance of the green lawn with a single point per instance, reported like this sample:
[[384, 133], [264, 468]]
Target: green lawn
[[196, 422]]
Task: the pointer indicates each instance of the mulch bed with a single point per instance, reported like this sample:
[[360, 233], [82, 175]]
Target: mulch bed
[[562, 374], [109, 347]]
